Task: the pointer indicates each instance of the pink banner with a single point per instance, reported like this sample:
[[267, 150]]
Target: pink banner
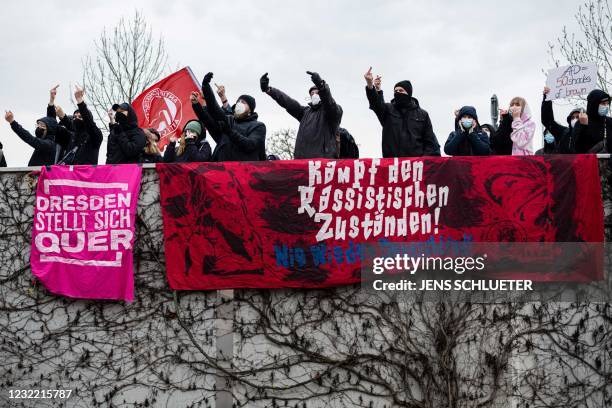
[[83, 230]]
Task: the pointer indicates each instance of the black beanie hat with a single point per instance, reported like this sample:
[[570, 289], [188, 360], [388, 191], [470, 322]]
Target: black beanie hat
[[406, 85], [249, 101]]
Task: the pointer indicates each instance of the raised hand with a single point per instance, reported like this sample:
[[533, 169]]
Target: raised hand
[[369, 78], [220, 91], [207, 79], [53, 94], [59, 112], [111, 116], [264, 83], [79, 93], [583, 118], [194, 97], [316, 78], [8, 116], [377, 82]]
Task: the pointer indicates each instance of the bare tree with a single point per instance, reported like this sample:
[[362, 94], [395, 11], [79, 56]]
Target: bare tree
[[282, 143], [593, 43], [127, 59]]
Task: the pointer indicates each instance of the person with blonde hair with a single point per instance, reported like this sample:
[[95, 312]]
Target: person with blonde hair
[[188, 149], [516, 130], [151, 153]]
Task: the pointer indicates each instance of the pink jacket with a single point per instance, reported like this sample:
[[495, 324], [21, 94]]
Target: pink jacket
[[523, 130]]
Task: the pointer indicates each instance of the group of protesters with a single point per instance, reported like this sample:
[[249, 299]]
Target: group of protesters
[[239, 135]]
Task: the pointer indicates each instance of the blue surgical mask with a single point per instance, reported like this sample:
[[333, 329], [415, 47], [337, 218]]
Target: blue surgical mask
[[467, 123], [549, 139], [603, 110]]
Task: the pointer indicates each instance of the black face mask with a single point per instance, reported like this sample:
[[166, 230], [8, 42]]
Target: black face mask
[[401, 100], [39, 132], [121, 118], [78, 124]]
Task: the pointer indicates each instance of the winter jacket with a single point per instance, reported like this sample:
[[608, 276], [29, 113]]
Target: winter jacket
[[348, 146], [151, 158], [195, 151], [406, 131], [461, 142], [126, 140], [599, 128], [45, 148], [192, 152], [237, 139], [85, 138], [564, 142], [316, 136]]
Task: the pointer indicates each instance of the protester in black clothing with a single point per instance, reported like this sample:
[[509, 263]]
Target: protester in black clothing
[[594, 128], [239, 136], [83, 140], [191, 148], [407, 129], [563, 140], [319, 120], [346, 147], [126, 140], [43, 142]]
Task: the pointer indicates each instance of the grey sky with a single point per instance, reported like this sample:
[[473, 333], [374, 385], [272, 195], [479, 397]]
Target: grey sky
[[454, 53]]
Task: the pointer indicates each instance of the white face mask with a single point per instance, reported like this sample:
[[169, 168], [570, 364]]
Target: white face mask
[[239, 109], [573, 122], [315, 99]]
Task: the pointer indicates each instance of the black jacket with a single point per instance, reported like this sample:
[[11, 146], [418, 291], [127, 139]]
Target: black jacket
[[45, 148], [587, 137], [83, 145], [406, 132], [126, 141], [151, 158], [316, 136], [192, 153], [501, 143], [463, 143], [564, 141], [195, 150], [244, 141]]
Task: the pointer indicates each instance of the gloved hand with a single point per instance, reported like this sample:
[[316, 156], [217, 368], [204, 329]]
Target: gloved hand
[[316, 79], [207, 78], [264, 83]]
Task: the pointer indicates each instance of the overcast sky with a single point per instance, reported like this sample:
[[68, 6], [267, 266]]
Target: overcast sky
[[455, 53]]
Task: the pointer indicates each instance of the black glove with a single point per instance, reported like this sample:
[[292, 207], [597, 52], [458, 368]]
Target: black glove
[[316, 79], [207, 78], [264, 82]]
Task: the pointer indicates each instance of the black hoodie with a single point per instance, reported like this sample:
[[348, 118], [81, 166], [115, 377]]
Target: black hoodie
[[587, 137], [126, 140], [564, 138], [45, 147]]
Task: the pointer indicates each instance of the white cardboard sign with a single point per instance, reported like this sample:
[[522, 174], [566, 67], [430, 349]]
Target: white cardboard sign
[[571, 80]]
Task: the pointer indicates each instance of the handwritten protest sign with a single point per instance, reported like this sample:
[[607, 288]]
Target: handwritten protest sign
[[571, 80]]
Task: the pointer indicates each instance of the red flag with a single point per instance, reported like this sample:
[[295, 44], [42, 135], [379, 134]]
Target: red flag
[[166, 105]]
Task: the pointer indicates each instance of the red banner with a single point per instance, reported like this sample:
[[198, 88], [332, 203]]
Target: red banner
[[304, 223], [166, 105]]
